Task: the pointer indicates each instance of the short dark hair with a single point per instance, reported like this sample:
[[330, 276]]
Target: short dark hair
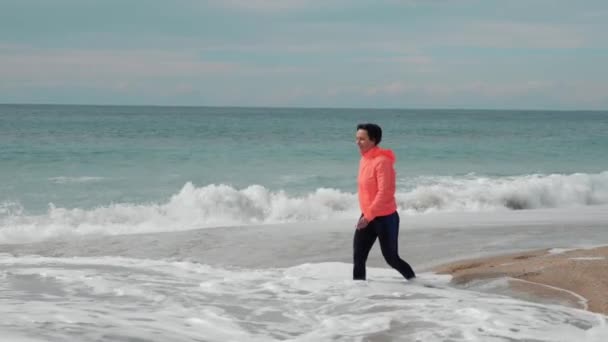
[[373, 131]]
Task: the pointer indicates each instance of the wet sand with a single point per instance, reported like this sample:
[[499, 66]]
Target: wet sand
[[577, 278]]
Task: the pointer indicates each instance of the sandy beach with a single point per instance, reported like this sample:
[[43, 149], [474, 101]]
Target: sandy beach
[[577, 278]]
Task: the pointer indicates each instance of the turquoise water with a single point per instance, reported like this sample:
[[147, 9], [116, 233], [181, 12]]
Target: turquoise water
[[300, 163]]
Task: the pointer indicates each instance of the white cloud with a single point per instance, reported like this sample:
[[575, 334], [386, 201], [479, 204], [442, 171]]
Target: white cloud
[[271, 5], [315, 46], [409, 63], [142, 76], [293, 5], [393, 88], [476, 88], [592, 94], [506, 34], [524, 94], [115, 69], [42, 64], [595, 14]]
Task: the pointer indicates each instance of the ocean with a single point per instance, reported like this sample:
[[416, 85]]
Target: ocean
[[136, 223]]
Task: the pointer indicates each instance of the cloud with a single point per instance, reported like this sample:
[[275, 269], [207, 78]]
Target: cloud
[[508, 34], [270, 5], [595, 14], [593, 94], [393, 88], [409, 63], [57, 64], [277, 6], [315, 46], [528, 94], [477, 88], [138, 77], [295, 5]]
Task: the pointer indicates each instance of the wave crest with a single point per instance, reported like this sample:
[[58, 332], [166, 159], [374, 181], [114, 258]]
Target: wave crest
[[222, 205], [536, 191]]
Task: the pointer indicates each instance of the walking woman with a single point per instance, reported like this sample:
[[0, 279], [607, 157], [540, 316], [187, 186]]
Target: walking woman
[[379, 218]]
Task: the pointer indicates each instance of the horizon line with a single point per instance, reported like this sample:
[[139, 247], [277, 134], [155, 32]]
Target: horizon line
[[302, 107]]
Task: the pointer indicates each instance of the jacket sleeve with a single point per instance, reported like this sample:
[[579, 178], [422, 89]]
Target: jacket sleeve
[[385, 174]]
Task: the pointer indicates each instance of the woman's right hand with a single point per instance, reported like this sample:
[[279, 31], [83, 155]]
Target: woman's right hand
[[362, 222]]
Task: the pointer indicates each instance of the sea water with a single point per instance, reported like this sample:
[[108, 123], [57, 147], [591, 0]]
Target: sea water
[[233, 224], [82, 169]]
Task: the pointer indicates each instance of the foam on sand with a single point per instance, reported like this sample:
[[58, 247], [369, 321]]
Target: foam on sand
[[581, 274]]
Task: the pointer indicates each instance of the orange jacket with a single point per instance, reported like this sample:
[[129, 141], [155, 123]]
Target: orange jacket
[[377, 183]]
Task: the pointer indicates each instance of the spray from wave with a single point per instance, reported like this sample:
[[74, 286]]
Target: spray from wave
[[67, 180], [471, 193], [222, 205]]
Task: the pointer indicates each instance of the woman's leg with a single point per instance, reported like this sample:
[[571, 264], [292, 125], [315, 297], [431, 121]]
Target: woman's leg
[[387, 228], [362, 243]]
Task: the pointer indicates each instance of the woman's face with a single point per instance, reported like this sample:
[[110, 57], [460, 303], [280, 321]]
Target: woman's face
[[363, 141]]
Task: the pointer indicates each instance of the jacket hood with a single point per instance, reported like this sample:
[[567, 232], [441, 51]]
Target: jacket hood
[[378, 151]]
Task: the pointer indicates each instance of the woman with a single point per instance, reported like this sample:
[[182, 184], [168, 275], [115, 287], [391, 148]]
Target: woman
[[379, 218]]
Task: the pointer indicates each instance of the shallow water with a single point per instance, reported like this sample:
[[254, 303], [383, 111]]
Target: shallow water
[[288, 282], [120, 299]]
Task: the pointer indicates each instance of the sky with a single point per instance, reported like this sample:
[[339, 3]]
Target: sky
[[493, 54]]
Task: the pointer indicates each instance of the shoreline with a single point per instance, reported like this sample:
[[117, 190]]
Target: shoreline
[[572, 277]]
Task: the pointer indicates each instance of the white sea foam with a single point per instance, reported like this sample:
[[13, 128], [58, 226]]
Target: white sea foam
[[135, 299], [561, 250], [473, 193], [222, 205], [191, 207], [566, 250]]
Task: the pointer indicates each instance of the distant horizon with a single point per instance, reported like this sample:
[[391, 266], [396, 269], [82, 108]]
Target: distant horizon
[[304, 107]]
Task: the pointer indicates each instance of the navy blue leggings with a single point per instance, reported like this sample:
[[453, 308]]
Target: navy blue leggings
[[386, 229]]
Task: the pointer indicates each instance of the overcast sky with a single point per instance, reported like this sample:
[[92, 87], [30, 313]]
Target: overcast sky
[[524, 54]]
